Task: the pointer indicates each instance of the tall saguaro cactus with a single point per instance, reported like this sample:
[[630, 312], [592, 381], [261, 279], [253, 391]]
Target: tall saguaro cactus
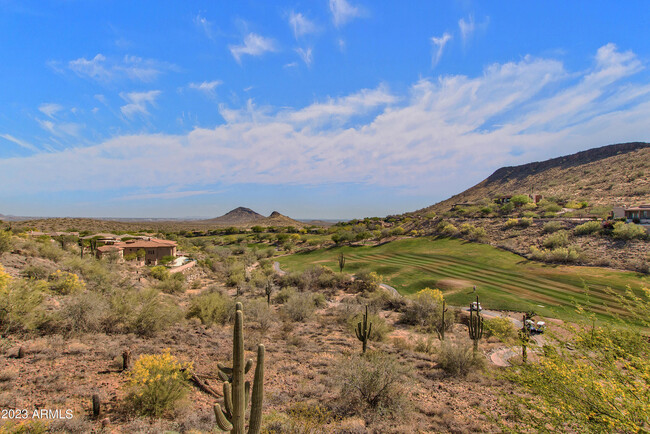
[[475, 325], [236, 391], [443, 325], [341, 262], [363, 330], [524, 335]]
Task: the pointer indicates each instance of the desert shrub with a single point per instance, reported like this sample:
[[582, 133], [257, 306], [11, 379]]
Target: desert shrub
[[501, 328], [36, 271], [373, 382], [319, 300], [548, 206], [21, 303], [259, 313], [365, 282], [380, 328], [511, 223], [587, 228], [520, 199], [174, 284], [447, 229], [142, 312], [457, 359], [63, 282], [6, 243], [559, 254], [51, 251], [424, 309], [425, 345], [157, 383], [97, 274], [552, 227], [557, 239], [472, 232], [159, 272], [212, 308], [628, 231], [299, 306], [284, 294], [304, 417], [85, 312]]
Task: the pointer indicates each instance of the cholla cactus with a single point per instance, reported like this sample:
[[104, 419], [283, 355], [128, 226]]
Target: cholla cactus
[[363, 330], [236, 391]]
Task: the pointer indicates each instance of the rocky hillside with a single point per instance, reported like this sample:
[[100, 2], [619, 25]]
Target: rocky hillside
[[606, 176]]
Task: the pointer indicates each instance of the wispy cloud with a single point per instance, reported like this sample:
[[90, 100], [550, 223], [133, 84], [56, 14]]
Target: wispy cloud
[[21, 143], [439, 43], [424, 140], [204, 25], [343, 12], [466, 28], [50, 109], [300, 24], [138, 102], [206, 87], [168, 195], [306, 55], [135, 68], [253, 45]]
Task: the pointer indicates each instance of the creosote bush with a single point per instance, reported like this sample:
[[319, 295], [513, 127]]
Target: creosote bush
[[157, 383], [63, 282], [629, 231], [212, 308], [299, 306], [587, 228], [501, 328], [458, 359], [159, 272], [373, 382], [557, 239]]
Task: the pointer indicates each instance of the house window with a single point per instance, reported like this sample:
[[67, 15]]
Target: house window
[[152, 252]]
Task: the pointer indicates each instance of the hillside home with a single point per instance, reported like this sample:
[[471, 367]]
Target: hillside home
[[154, 249], [638, 214]]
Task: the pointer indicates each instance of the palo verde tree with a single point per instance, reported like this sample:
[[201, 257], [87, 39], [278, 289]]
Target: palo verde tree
[[237, 391], [590, 378]]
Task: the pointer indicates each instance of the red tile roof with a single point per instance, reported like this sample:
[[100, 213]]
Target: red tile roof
[[146, 244]]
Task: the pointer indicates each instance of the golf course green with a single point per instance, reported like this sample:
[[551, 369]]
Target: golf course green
[[503, 280]]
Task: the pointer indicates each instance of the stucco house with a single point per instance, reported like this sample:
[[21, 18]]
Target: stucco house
[[634, 214], [154, 249]]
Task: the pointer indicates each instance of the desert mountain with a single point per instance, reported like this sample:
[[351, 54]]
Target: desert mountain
[[610, 175], [247, 217]]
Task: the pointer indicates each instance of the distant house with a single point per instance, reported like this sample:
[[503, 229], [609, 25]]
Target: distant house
[[154, 249], [503, 199], [637, 214]]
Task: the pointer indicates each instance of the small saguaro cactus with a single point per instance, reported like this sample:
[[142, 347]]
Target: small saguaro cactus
[[443, 325], [268, 290], [236, 391], [341, 262], [475, 325], [363, 330], [524, 335]]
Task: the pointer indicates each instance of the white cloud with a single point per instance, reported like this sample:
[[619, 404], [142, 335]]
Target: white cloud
[[300, 24], [446, 134], [466, 28], [253, 45], [306, 55], [50, 109], [21, 143], [206, 87], [135, 68], [137, 102], [440, 43], [343, 12]]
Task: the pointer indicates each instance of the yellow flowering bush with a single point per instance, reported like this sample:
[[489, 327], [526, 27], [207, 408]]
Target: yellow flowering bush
[[63, 282], [157, 383], [4, 279], [597, 380]]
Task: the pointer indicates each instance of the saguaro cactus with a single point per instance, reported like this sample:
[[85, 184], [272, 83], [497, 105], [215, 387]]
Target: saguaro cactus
[[475, 325], [443, 325], [524, 335], [236, 391], [363, 330], [341, 262]]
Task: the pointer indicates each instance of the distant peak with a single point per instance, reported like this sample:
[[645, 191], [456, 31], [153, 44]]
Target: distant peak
[[275, 214], [242, 210]]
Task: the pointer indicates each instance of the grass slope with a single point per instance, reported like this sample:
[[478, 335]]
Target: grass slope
[[503, 280]]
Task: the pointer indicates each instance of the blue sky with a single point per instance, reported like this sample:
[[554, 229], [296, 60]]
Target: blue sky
[[325, 108]]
